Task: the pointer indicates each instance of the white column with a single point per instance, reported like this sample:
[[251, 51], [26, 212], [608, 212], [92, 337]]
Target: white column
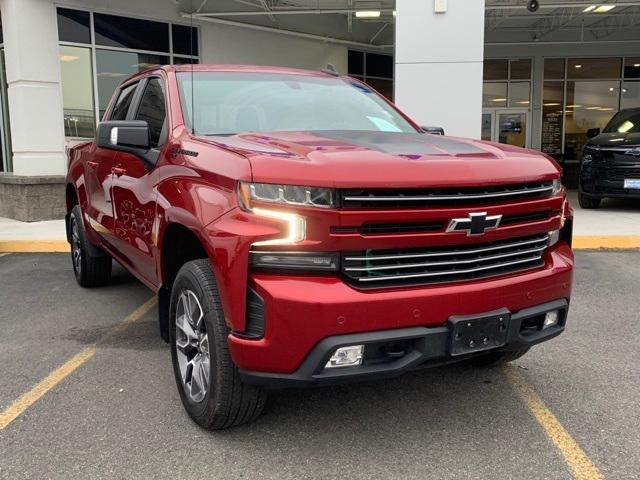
[[438, 56], [33, 78]]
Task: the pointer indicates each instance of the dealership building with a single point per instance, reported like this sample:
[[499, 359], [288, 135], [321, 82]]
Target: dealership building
[[489, 69]]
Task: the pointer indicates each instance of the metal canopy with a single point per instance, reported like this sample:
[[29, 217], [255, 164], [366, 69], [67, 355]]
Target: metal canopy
[[506, 21]]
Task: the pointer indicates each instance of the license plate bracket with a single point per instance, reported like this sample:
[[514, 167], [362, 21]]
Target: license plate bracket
[[477, 333], [632, 183]]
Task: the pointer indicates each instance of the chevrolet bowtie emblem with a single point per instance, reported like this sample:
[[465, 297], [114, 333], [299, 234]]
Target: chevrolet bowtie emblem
[[475, 223]]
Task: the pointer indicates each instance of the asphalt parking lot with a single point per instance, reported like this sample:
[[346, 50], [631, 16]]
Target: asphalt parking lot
[[118, 415]]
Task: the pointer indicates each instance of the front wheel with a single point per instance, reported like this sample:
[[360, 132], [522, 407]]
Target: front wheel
[[208, 381], [91, 266], [588, 202]]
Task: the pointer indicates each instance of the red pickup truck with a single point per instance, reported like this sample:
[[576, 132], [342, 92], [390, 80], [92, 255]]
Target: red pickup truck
[[300, 230]]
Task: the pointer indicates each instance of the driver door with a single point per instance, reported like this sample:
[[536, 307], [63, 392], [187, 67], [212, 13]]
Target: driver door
[[134, 186]]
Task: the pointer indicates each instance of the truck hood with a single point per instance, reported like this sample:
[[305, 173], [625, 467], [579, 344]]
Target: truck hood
[[615, 139], [348, 159]]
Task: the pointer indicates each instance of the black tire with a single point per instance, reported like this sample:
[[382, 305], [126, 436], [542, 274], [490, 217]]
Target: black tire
[[91, 265], [497, 358], [588, 202], [227, 402]]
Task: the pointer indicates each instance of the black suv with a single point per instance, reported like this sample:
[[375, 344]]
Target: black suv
[[610, 164]]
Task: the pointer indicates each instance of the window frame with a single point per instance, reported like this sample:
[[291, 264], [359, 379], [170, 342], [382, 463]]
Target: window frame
[[114, 99]]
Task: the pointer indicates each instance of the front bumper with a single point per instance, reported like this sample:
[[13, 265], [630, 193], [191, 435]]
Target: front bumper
[[598, 181], [302, 311], [422, 347]]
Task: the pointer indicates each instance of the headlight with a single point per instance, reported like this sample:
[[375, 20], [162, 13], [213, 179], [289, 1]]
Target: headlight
[[557, 186], [285, 195], [554, 237]]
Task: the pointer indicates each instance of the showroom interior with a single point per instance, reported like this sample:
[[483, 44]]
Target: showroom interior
[[486, 69]]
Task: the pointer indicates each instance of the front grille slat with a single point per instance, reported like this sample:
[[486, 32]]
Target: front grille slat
[[460, 264], [401, 198]]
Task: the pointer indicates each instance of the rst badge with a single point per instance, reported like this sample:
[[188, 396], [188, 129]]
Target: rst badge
[[475, 223]]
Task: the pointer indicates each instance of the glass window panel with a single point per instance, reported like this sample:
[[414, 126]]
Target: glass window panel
[[589, 105], [121, 108], [152, 109], [184, 61], [519, 94], [552, 118], [592, 68], [521, 69], [496, 70], [494, 94], [512, 129], [554, 68], [116, 31], [73, 26], [113, 67], [356, 62], [379, 65], [184, 40], [487, 127], [630, 95], [77, 91], [384, 87], [632, 67]]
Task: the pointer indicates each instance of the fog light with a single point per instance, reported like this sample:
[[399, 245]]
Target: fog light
[[551, 319], [350, 356]]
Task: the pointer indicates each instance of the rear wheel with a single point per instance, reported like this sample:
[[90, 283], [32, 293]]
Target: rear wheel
[[91, 266], [208, 381], [588, 202], [497, 358]]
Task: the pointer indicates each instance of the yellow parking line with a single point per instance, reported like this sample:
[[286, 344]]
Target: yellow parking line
[[581, 465], [581, 242], [27, 399], [33, 246]]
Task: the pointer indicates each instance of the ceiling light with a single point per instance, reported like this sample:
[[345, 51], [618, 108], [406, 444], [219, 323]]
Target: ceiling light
[[552, 104], [592, 108], [498, 99], [68, 58], [625, 127], [606, 109], [524, 102], [574, 106], [578, 66], [394, 14], [589, 8], [636, 65], [368, 14], [604, 8]]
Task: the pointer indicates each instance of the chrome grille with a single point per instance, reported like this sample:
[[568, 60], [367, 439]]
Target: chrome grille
[[411, 197], [377, 268]]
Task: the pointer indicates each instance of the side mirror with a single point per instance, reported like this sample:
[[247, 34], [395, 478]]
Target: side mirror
[[126, 136], [433, 130], [593, 132]]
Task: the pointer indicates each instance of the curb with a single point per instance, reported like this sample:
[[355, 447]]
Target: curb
[[598, 242]]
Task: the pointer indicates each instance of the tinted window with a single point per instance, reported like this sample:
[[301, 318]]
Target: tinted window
[[185, 40], [73, 26], [123, 103], [152, 110], [125, 32], [625, 122], [496, 70]]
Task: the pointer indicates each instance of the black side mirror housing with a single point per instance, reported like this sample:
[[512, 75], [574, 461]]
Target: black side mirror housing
[[433, 130], [593, 132], [131, 136]]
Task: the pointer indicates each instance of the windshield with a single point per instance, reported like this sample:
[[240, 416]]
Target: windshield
[[226, 103], [626, 121]]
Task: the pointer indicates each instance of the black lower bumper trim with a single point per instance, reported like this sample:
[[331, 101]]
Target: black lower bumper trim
[[389, 353]]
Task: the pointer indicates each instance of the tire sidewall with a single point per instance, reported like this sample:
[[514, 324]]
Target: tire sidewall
[[188, 279], [76, 216]]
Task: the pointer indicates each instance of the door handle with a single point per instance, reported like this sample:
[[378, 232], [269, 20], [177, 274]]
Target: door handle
[[118, 171], [92, 164]]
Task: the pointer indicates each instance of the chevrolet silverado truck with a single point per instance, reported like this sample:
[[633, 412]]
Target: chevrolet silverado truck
[[299, 230]]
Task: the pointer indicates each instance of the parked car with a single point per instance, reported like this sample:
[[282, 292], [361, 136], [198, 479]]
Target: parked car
[[610, 165], [300, 230]]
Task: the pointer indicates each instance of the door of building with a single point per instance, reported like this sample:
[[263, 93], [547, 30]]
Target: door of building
[[510, 126]]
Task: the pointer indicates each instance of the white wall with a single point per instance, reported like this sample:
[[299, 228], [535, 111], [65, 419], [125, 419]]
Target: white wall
[[438, 56]]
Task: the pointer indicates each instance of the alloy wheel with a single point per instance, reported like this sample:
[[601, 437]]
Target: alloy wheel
[[192, 346], [76, 248]]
